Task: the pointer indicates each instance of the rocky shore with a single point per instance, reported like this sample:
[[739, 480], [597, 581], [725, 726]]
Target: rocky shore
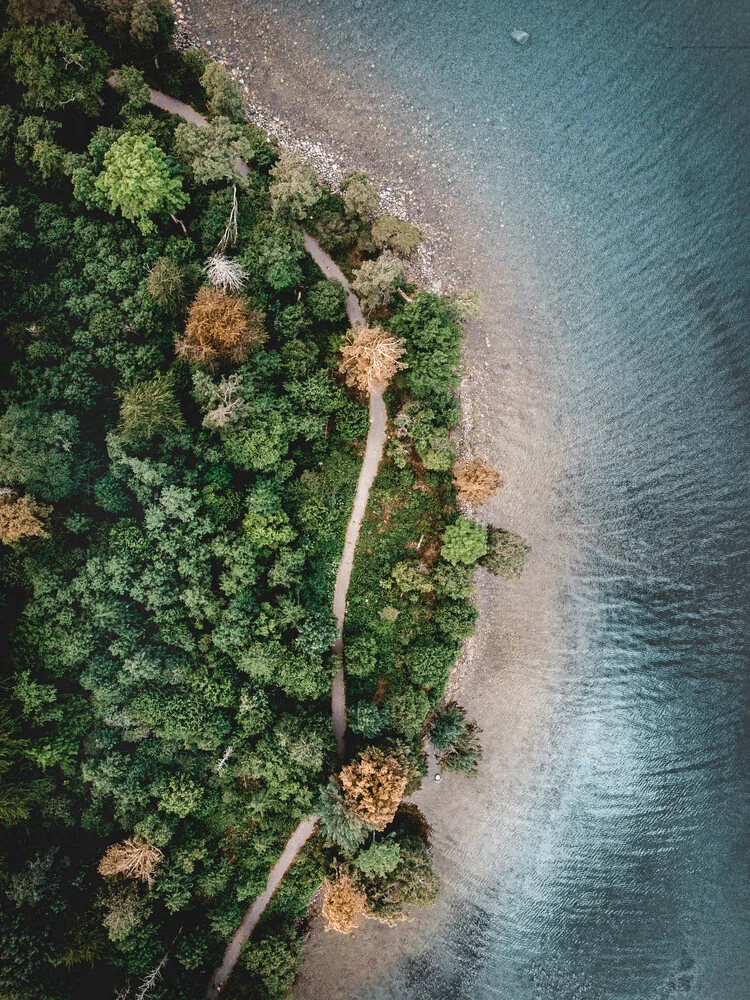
[[331, 163]]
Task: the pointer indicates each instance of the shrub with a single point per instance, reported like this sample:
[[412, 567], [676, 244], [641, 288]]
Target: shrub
[[343, 903], [374, 785], [370, 358], [506, 553], [475, 481], [220, 327], [21, 517], [463, 304], [396, 234], [464, 542]]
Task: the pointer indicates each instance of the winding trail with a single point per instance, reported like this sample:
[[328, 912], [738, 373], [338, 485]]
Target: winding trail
[[376, 437], [293, 846]]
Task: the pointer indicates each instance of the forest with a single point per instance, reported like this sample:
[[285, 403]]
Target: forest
[[183, 410]]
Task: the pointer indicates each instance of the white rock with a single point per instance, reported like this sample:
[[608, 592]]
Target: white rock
[[520, 36]]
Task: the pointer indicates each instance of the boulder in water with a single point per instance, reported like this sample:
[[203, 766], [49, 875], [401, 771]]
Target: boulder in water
[[520, 36]]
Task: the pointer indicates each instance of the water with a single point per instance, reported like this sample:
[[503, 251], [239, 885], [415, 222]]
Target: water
[[606, 162]]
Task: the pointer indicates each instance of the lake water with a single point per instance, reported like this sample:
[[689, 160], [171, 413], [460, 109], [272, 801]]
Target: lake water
[[607, 163]]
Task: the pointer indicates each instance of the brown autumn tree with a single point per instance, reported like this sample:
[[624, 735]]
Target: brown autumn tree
[[220, 327], [475, 481], [374, 785], [343, 903], [134, 858], [370, 357], [21, 517]]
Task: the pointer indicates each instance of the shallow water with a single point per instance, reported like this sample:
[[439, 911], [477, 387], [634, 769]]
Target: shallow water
[[606, 162]]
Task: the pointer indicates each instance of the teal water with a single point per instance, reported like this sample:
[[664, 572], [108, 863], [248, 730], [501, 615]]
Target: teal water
[[608, 161]]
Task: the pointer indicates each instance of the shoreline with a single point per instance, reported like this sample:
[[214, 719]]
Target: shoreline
[[490, 673]]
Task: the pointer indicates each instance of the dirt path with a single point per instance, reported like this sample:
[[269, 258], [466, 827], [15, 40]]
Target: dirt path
[[376, 436], [293, 846], [373, 453], [332, 271]]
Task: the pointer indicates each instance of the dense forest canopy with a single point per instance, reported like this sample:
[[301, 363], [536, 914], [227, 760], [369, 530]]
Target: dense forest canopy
[[180, 439]]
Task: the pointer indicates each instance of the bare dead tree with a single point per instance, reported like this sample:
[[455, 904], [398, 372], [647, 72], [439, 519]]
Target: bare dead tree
[[231, 231], [370, 357], [227, 401]]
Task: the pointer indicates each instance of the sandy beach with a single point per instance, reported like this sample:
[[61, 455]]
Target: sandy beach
[[311, 105]]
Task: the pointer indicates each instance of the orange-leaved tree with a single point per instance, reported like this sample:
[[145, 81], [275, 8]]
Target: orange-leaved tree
[[374, 785], [134, 858], [20, 517], [220, 327], [343, 903], [370, 357], [475, 481]]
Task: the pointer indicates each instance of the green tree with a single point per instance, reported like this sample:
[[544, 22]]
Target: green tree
[[429, 662], [209, 152], [366, 718], [361, 196], [376, 281], [339, 825], [396, 234], [147, 23], [223, 93], [464, 542], [37, 449], [327, 301], [294, 186], [43, 12], [506, 553], [131, 85], [456, 739], [380, 859], [138, 180], [165, 284], [411, 883], [407, 711], [56, 65], [433, 348], [36, 150], [149, 408]]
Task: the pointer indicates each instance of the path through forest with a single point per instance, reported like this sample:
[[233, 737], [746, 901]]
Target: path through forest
[[376, 436]]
